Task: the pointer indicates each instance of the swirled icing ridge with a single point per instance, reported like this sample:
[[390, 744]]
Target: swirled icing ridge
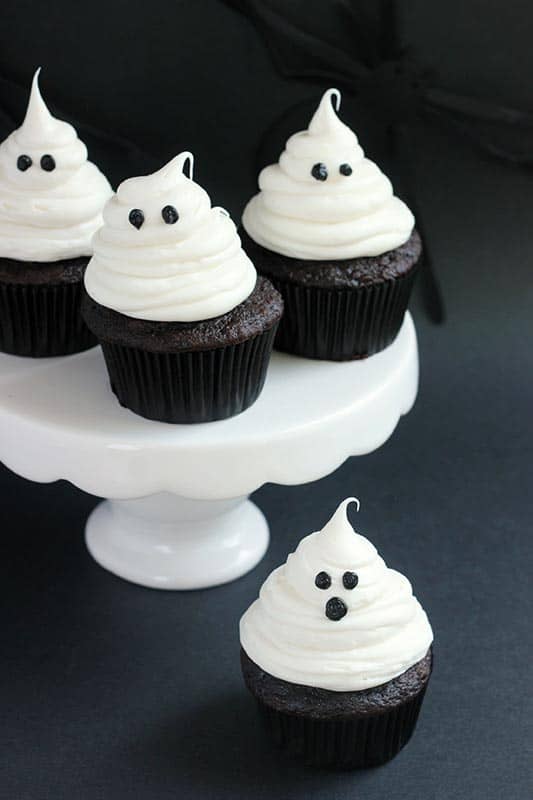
[[351, 212], [383, 632], [187, 271]]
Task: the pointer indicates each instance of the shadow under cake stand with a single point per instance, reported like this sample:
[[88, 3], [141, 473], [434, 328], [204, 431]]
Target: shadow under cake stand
[[179, 516]]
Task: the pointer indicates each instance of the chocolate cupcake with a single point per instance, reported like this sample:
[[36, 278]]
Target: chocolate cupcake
[[51, 199], [337, 651], [185, 325], [331, 236]]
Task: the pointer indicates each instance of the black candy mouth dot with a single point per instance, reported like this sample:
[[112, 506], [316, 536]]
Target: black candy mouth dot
[[336, 609]]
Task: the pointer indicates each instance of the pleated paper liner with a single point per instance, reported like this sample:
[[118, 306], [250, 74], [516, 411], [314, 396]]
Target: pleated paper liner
[[42, 320], [340, 730], [190, 387], [341, 324], [351, 743]]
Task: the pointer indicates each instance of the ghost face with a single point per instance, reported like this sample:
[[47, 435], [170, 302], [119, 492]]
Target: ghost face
[[39, 169], [336, 608], [36, 166], [169, 215], [141, 219], [321, 172], [160, 209]]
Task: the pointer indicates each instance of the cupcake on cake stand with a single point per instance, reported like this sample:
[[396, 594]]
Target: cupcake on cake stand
[[178, 514]]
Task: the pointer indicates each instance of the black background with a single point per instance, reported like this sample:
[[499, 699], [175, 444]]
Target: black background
[[111, 691]]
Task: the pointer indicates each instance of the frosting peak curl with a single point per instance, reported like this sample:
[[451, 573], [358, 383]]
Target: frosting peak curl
[[335, 616], [51, 197], [165, 254], [324, 199]]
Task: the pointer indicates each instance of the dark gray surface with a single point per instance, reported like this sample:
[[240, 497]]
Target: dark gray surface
[[110, 691]]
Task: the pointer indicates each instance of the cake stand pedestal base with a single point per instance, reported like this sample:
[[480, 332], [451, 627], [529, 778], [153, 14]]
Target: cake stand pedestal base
[[169, 542]]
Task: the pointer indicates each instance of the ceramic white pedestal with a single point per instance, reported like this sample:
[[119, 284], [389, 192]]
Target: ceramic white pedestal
[[169, 542], [179, 517]]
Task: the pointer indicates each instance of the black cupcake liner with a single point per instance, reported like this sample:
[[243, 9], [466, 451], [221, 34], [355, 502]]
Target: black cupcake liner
[[355, 742], [43, 320], [340, 730], [342, 324], [193, 386]]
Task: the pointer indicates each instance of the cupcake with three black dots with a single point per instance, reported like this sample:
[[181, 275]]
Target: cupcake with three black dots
[[328, 231], [337, 651], [185, 324], [51, 200]]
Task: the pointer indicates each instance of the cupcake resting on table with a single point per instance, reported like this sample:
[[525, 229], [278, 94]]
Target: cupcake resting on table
[[341, 248], [185, 324], [337, 651], [51, 200]]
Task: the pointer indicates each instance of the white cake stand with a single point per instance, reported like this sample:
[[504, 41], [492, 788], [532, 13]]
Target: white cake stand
[[179, 517]]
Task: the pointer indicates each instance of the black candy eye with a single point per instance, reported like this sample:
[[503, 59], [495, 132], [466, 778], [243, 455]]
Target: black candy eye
[[319, 171], [170, 215], [136, 217], [350, 580], [336, 609], [345, 169], [48, 163], [322, 580], [24, 163]]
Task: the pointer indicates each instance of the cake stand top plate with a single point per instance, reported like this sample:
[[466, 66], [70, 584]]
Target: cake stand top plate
[[59, 419]]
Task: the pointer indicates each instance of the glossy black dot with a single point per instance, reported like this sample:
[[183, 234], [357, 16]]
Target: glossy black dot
[[48, 163], [336, 609], [136, 217], [345, 169], [24, 163], [323, 580], [350, 580], [319, 171], [170, 215]]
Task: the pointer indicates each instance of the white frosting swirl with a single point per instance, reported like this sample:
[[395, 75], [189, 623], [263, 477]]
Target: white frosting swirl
[[48, 215], [344, 216], [384, 632], [188, 271]]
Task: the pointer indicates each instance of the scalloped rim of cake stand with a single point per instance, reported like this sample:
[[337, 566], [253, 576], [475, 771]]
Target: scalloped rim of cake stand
[[60, 420]]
